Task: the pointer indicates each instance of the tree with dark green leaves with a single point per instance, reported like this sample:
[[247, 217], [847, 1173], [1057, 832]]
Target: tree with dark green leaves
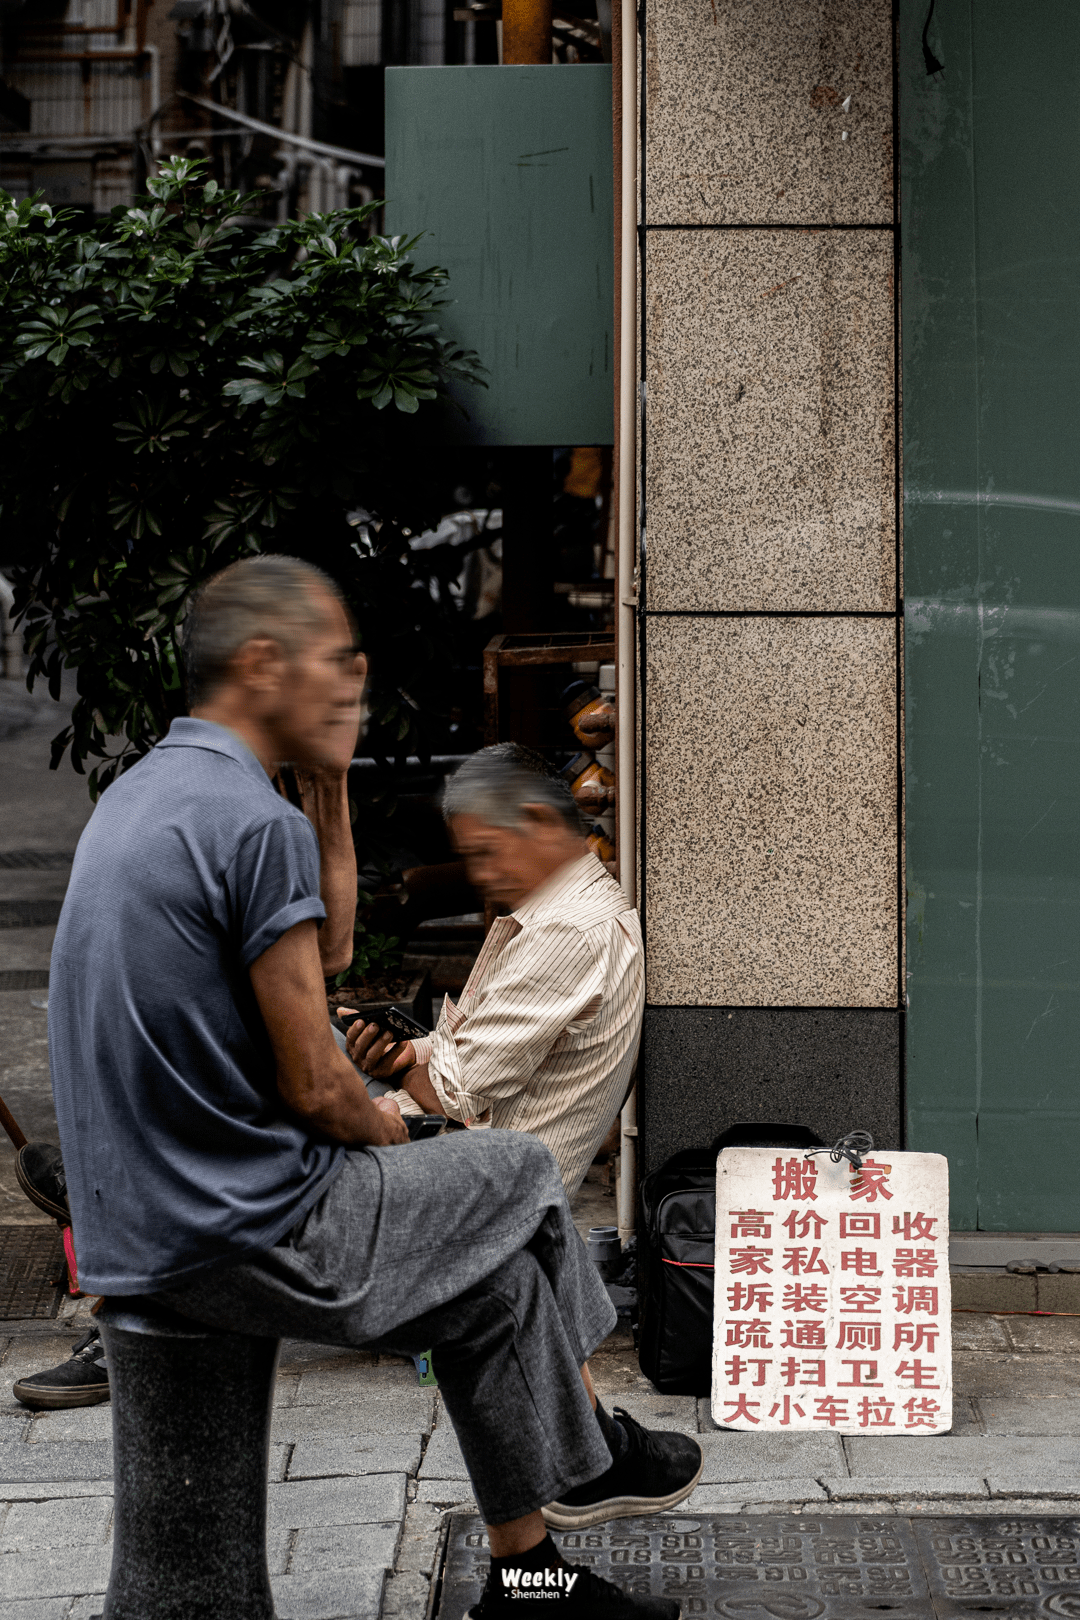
[[182, 385]]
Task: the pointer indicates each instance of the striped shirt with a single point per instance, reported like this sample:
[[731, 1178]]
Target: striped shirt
[[545, 1035]]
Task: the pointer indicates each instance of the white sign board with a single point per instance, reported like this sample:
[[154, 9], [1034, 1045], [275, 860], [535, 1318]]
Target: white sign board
[[832, 1303]]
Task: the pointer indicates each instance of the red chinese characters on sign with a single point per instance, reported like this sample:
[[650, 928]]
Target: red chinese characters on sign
[[832, 1293]]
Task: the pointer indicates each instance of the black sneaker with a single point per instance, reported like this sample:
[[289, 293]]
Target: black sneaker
[[588, 1597], [83, 1380], [657, 1471], [39, 1170]]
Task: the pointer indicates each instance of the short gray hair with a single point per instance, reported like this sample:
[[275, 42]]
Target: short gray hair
[[259, 596], [497, 782]]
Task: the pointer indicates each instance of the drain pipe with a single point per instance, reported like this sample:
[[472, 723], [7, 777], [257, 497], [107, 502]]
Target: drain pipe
[[626, 554]]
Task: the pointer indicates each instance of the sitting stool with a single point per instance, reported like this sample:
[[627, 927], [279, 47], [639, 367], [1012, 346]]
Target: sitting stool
[[191, 1441]]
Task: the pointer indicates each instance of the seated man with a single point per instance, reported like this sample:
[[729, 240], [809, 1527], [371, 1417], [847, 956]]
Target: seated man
[[545, 1036], [224, 1156]]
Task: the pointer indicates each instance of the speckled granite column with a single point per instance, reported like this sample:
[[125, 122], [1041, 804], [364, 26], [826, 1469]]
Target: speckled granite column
[[770, 634]]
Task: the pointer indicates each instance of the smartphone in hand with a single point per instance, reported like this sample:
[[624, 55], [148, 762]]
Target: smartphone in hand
[[402, 1025]]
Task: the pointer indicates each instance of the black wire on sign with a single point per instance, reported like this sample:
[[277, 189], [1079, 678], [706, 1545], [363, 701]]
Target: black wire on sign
[[854, 1147]]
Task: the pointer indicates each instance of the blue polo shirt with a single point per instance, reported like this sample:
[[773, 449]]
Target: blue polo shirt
[[178, 1151]]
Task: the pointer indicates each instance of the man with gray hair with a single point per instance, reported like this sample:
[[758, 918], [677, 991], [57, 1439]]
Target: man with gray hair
[[546, 1033]]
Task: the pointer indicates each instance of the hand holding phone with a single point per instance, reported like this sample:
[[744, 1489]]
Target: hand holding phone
[[379, 1046]]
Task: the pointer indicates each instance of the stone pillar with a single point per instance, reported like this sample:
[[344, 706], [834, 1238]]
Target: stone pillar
[[771, 858]]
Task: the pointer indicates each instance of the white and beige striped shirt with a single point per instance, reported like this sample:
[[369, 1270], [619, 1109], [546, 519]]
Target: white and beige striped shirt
[[546, 1033]]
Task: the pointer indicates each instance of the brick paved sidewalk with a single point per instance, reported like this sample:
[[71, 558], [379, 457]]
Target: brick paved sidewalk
[[364, 1467]]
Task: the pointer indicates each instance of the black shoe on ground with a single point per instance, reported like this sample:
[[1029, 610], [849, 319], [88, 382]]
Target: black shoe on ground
[[39, 1170], [657, 1471], [590, 1598], [83, 1380]]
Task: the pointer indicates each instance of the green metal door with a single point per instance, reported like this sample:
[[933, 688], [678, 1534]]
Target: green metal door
[[990, 171]]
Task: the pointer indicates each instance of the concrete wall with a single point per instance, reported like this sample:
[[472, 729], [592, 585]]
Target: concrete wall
[[769, 686]]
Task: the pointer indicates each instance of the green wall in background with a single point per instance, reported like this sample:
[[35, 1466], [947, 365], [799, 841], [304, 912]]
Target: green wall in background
[[510, 170], [990, 171]]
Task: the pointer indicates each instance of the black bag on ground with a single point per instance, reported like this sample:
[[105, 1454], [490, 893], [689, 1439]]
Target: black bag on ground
[[676, 1259]]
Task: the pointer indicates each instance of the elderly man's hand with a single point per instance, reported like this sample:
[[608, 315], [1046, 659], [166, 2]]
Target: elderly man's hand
[[375, 1050]]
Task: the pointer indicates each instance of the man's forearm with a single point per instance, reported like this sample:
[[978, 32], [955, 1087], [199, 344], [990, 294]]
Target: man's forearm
[[326, 805], [418, 1084]]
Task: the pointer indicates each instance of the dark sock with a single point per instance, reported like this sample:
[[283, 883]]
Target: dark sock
[[612, 1431], [545, 1555]]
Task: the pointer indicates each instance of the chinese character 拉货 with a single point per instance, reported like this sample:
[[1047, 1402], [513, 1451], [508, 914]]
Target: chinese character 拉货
[[753, 1334], [870, 1180], [915, 1263], [914, 1228], [921, 1298], [917, 1374], [809, 1335], [805, 1297], [863, 1262], [801, 1261], [750, 1222], [750, 1260], [861, 1300], [916, 1336], [800, 1221], [921, 1413], [830, 1410], [750, 1297], [876, 1414], [741, 1408], [802, 1372], [795, 1178], [859, 1336], [785, 1409], [857, 1381], [863, 1223]]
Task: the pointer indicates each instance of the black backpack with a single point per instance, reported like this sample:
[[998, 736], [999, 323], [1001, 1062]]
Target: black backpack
[[676, 1257]]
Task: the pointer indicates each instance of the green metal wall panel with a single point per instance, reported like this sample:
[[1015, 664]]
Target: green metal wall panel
[[990, 170], [510, 170]]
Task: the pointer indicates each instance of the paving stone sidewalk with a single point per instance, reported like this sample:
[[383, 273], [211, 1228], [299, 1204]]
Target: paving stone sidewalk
[[365, 1467]]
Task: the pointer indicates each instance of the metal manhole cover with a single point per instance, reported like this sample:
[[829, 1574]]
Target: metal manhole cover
[[776, 1568], [31, 1272], [1004, 1567]]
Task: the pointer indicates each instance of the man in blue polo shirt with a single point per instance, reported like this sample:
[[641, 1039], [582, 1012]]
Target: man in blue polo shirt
[[224, 1155]]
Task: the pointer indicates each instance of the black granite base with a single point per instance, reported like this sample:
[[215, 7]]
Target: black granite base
[[836, 1069]]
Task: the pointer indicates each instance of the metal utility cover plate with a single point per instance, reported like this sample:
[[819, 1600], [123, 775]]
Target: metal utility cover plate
[[1012, 1568], [31, 1272], [775, 1568]]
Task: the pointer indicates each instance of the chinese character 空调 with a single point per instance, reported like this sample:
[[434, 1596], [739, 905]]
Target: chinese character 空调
[[916, 1336], [876, 1414], [785, 1409], [753, 1334], [915, 1263], [922, 1412], [917, 1374], [805, 1297], [741, 1408], [861, 1300], [859, 1336], [863, 1262], [921, 1298], [750, 1222], [830, 1410], [750, 1296], [870, 1181], [857, 1381], [795, 1178], [750, 1260], [800, 1261], [808, 1335], [800, 1221], [914, 1228], [861, 1223], [802, 1372]]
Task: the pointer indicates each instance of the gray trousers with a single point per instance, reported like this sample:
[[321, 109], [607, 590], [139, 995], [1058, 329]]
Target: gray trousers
[[463, 1245]]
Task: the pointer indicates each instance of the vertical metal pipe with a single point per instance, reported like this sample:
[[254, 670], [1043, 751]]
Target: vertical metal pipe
[[626, 614], [526, 31]]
